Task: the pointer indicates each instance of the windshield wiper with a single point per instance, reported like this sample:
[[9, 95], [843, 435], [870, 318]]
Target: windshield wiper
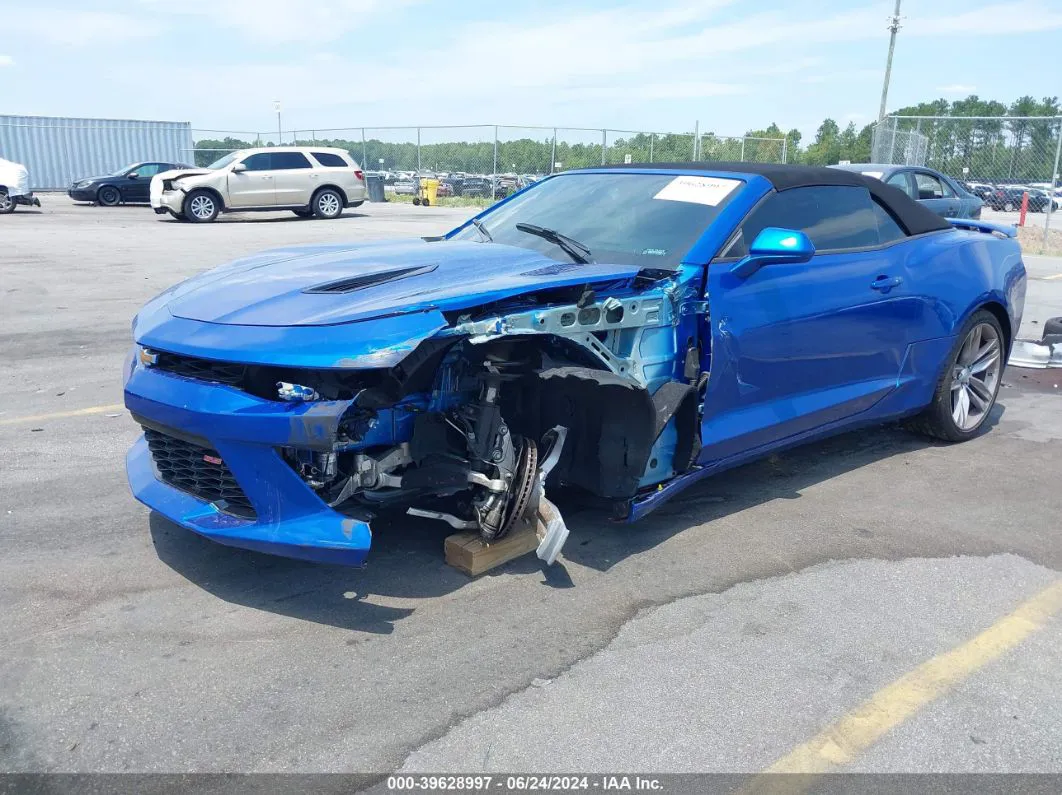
[[572, 247], [482, 229]]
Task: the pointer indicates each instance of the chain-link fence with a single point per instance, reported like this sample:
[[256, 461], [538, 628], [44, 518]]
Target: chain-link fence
[[1004, 160], [498, 150]]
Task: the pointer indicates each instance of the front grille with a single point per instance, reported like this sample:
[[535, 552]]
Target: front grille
[[210, 370], [185, 466]]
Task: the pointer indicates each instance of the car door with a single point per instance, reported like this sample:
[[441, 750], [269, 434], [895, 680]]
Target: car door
[[136, 188], [904, 180], [800, 346], [958, 206], [294, 179], [254, 186], [931, 194]]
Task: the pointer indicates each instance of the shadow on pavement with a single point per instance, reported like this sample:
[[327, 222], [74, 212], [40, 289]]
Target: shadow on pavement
[[266, 217], [407, 562]]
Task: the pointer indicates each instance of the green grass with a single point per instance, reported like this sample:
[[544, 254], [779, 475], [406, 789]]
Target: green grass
[[444, 201]]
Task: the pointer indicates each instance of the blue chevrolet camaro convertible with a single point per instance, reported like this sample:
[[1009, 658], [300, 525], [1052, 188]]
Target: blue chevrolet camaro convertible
[[622, 332]]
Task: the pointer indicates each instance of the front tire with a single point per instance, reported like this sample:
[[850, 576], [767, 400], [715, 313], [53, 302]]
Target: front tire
[[201, 206], [7, 204], [108, 196], [327, 203], [967, 389]]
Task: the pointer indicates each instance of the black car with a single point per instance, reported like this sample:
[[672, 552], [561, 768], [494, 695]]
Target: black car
[[476, 186], [982, 191], [1009, 198], [126, 185]]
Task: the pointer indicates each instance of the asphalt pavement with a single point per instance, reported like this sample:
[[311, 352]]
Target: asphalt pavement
[[725, 632]]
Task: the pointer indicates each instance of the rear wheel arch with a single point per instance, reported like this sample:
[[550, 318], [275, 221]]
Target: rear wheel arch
[[1001, 315], [331, 186]]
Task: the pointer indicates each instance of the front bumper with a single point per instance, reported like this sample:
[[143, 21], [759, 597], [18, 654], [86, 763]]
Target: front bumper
[[168, 201], [291, 520], [82, 194]]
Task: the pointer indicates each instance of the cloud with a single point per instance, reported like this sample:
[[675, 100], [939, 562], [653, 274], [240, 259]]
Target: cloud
[[6, 60], [960, 89], [345, 61], [73, 27], [276, 21], [1017, 16]]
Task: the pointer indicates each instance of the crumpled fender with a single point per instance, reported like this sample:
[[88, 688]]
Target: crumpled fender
[[367, 344]]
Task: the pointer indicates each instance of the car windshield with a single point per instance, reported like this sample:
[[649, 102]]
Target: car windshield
[[647, 220], [124, 170], [221, 162]]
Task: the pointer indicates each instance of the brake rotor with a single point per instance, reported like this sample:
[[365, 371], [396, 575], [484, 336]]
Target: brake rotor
[[520, 494]]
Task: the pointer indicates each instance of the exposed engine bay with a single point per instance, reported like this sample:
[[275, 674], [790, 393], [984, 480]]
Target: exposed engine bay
[[474, 425]]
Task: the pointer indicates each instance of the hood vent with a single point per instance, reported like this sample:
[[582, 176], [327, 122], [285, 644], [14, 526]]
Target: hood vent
[[354, 283]]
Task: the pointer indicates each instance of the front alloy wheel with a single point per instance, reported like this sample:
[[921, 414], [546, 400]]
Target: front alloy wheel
[[109, 196], [7, 204], [200, 206]]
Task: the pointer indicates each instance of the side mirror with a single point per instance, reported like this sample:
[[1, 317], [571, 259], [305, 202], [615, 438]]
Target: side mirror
[[239, 168], [774, 246], [133, 175]]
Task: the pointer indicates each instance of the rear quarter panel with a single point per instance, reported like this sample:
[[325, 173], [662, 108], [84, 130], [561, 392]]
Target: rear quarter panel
[[959, 271]]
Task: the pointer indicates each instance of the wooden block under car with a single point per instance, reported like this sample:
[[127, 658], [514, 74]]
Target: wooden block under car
[[469, 553]]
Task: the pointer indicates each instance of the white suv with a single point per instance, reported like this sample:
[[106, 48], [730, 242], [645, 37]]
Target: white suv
[[308, 180]]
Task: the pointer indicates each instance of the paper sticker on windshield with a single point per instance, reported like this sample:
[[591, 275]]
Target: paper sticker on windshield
[[697, 190]]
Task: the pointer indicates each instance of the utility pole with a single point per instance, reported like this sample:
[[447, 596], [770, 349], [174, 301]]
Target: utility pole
[[894, 25], [276, 107]]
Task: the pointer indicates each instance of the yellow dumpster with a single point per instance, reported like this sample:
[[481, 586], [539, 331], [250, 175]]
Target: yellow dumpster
[[429, 192]]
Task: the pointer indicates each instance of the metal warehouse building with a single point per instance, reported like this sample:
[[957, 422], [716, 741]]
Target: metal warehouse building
[[59, 150]]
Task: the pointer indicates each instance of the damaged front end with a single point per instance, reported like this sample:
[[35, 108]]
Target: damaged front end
[[470, 424], [508, 400]]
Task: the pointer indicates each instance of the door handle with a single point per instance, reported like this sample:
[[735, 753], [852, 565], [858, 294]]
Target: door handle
[[886, 283]]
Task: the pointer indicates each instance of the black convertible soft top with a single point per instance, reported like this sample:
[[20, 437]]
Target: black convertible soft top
[[912, 216]]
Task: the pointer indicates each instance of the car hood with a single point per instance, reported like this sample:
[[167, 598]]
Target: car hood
[[177, 173], [14, 175], [324, 285]]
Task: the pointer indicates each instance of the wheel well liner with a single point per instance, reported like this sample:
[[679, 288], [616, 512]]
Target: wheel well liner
[[610, 422], [1001, 315]]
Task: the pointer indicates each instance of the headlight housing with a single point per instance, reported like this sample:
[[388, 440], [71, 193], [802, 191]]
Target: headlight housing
[[84, 183]]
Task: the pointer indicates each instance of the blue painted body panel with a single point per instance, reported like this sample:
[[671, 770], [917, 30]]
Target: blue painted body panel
[[458, 274], [794, 351]]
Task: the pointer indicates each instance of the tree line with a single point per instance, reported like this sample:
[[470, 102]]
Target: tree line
[[991, 148]]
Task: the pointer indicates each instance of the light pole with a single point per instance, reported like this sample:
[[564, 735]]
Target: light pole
[[894, 25], [276, 107]]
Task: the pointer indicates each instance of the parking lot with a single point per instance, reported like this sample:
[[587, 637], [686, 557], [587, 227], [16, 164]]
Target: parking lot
[[822, 596]]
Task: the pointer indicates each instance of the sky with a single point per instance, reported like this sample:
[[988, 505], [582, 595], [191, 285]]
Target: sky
[[729, 65]]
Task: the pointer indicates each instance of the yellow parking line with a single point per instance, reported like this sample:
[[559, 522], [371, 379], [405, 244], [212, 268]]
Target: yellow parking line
[[844, 740], [63, 414]]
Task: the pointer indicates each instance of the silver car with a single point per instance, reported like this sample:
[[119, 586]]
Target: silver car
[[308, 180]]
